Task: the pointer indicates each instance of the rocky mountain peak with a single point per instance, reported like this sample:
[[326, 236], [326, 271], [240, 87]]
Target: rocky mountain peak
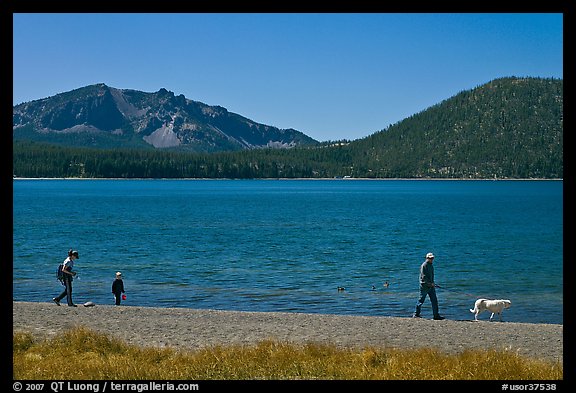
[[103, 116]]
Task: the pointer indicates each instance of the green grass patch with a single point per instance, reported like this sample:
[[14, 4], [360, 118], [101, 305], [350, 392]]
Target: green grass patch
[[84, 354]]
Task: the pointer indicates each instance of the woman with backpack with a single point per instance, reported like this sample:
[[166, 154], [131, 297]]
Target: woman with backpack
[[68, 277]]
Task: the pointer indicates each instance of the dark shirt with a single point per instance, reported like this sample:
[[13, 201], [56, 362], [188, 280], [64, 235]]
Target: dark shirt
[[118, 286], [427, 274]]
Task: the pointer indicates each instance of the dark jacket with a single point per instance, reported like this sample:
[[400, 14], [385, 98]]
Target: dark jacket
[[118, 286]]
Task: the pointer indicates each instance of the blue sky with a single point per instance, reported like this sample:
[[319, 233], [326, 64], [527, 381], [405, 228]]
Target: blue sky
[[332, 76]]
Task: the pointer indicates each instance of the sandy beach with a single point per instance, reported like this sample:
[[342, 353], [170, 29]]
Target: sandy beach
[[193, 328]]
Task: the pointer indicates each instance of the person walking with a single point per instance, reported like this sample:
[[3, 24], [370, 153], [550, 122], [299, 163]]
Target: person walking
[[118, 288], [427, 288], [67, 279]]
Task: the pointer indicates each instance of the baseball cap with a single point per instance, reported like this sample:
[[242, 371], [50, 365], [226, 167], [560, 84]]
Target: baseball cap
[[429, 255]]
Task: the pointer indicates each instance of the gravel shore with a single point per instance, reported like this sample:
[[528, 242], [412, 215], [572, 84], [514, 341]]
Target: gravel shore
[[192, 328]]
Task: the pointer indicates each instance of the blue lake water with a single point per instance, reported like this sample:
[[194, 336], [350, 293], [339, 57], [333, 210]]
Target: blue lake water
[[278, 245]]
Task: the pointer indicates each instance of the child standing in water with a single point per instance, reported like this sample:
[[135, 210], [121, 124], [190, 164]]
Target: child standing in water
[[118, 288]]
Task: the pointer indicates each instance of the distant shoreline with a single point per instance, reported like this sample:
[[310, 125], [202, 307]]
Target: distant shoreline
[[288, 179], [186, 328]]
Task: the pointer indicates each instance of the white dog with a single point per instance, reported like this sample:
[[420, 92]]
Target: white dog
[[494, 306]]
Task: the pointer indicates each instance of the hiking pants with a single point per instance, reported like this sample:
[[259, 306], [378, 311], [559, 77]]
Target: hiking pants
[[67, 290]]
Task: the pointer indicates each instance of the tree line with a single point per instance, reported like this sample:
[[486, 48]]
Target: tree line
[[36, 160]]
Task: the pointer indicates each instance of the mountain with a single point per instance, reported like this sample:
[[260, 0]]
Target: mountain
[[507, 128], [105, 117]]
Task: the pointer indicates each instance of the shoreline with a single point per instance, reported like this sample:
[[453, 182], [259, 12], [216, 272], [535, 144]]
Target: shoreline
[[189, 329], [287, 179]]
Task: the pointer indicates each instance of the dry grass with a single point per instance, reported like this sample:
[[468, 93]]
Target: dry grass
[[84, 354]]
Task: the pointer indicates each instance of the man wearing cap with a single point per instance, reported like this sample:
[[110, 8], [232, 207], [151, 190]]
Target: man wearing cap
[[427, 287]]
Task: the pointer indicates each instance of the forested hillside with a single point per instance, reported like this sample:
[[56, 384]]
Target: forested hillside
[[507, 128], [510, 127]]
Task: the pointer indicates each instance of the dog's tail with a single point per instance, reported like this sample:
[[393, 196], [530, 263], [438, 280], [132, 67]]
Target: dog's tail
[[472, 310]]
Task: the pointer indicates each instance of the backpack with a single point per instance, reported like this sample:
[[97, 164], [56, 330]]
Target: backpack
[[60, 273]]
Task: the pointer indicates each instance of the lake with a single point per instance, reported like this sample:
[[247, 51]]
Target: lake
[[287, 245]]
